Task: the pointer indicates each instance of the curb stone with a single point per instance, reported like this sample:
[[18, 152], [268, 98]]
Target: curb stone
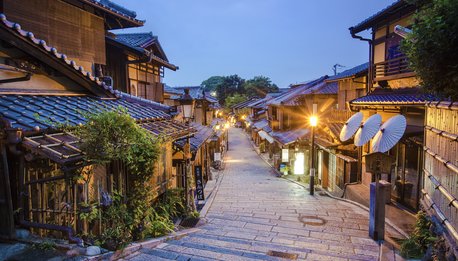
[[136, 246], [206, 207]]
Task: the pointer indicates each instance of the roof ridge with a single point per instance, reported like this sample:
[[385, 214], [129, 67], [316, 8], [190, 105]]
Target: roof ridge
[[117, 11], [139, 33], [53, 52], [132, 98]]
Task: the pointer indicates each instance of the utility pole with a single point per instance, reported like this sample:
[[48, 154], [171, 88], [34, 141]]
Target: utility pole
[[335, 66]]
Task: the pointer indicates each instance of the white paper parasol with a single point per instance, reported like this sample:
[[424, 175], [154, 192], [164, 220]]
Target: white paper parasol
[[351, 126], [368, 129], [389, 134]]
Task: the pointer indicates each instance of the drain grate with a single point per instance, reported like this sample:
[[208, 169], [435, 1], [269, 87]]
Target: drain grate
[[282, 254], [189, 222], [312, 220]]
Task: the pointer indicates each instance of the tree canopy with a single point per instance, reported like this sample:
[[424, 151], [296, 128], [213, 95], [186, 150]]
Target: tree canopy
[[234, 99], [233, 87], [259, 86], [432, 46]]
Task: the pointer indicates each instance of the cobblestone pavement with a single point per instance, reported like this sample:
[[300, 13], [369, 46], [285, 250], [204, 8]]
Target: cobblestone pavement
[[255, 213]]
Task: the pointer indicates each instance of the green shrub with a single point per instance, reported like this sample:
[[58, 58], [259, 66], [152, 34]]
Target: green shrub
[[418, 242]]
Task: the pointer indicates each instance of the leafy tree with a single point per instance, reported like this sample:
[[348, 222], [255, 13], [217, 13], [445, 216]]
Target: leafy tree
[[234, 99], [259, 86], [432, 47], [211, 83], [232, 84]]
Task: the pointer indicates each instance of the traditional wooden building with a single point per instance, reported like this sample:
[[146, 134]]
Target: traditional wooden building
[[288, 118], [394, 89], [135, 65], [43, 89], [203, 144], [338, 162], [424, 169]]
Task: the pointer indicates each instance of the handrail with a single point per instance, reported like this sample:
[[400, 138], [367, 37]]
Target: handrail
[[393, 66]]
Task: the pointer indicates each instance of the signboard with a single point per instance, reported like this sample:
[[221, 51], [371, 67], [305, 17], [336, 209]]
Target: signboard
[[284, 155], [378, 162], [217, 156], [199, 182]]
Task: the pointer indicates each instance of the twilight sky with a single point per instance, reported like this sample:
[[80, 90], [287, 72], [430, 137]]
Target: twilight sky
[[287, 40]]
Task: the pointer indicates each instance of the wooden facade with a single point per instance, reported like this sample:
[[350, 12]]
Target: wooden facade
[[49, 63]]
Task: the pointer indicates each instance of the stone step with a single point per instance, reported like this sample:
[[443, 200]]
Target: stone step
[[335, 249], [226, 253]]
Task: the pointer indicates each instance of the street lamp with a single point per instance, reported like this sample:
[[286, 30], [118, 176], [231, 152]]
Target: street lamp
[[187, 105], [313, 124], [187, 108]]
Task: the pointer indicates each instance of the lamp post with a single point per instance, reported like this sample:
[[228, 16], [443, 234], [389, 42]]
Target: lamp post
[[313, 123], [226, 126], [187, 109]]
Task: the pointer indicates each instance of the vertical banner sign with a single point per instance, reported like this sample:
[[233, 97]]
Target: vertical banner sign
[[284, 155], [199, 182]]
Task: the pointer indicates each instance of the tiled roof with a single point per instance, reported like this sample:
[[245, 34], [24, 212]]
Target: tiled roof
[[243, 104], [288, 137], [136, 47], [327, 88], [293, 93], [335, 128], [33, 113], [203, 133], [260, 124], [116, 10], [135, 99], [402, 96], [194, 91], [141, 40], [372, 20], [350, 72], [51, 51], [172, 90], [319, 88]]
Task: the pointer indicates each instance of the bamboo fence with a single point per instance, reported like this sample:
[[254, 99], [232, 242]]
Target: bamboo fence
[[441, 162]]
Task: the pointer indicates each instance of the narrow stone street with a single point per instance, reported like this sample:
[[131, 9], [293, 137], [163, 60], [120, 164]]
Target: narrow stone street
[[256, 215]]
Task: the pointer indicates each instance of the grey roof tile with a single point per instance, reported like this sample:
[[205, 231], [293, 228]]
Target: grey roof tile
[[388, 96], [33, 112]]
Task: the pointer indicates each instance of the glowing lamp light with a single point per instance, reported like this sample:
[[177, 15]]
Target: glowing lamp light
[[226, 125], [243, 117], [217, 127], [313, 121]]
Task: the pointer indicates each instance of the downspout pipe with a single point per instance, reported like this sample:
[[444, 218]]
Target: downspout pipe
[[370, 69], [368, 89], [13, 138], [147, 59]]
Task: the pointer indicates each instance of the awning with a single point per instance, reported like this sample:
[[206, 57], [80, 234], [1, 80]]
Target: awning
[[62, 148], [291, 136], [346, 158], [266, 136], [203, 134], [260, 124], [169, 128]]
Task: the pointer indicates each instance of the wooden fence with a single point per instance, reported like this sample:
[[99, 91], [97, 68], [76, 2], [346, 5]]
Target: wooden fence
[[441, 163]]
